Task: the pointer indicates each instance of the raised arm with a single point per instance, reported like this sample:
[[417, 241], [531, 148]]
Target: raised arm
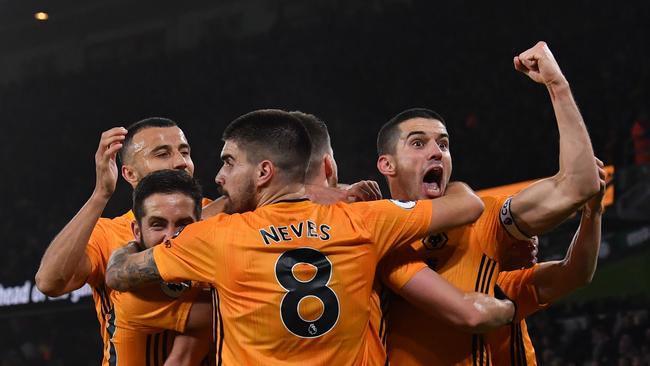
[[545, 204], [472, 312], [459, 206], [65, 265], [556, 279], [129, 269]]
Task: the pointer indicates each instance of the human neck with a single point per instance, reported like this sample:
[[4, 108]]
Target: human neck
[[283, 193]]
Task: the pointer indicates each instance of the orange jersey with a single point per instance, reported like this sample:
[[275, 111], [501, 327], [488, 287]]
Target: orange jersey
[[107, 235], [377, 335], [511, 345], [134, 348], [293, 279], [468, 258]]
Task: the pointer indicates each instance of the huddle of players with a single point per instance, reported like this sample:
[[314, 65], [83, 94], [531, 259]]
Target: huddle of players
[[293, 279]]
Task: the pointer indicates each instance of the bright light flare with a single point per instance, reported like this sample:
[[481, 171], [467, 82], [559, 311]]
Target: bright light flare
[[42, 16]]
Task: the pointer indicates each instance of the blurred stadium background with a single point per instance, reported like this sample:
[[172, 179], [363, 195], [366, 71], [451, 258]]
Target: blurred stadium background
[[96, 64]]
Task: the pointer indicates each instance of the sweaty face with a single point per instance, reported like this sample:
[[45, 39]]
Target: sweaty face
[[422, 160], [158, 148], [236, 180], [165, 215]]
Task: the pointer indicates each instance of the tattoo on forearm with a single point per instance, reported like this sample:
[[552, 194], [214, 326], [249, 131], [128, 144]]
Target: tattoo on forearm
[[127, 271]]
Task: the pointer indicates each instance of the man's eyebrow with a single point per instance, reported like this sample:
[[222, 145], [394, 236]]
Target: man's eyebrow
[[184, 145], [415, 133], [161, 147], [156, 218], [225, 157]]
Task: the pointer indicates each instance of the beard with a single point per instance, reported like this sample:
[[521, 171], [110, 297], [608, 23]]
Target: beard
[[241, 201]]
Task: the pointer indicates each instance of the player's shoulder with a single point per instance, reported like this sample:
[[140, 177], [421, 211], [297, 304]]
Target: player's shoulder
[[117, 228], [516, 276], [493, 201], [387, 203]]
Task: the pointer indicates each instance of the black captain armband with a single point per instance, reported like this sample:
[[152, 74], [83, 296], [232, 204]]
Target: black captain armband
[[508, 222]]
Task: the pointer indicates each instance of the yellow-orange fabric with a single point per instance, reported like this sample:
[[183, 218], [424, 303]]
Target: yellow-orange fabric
[[468, 258], [293, 279], [511, 345]]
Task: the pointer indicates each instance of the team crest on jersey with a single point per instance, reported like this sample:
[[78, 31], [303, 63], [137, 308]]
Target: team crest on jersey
[[174, 289], [407, 205], [437, 241]]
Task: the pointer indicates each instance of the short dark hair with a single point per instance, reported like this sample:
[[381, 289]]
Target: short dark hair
[[166, 181], [275, 135], [388, 133], [139, 126], [320, 139]]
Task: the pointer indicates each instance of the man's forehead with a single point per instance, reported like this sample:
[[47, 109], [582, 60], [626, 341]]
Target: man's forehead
[[161, 201], [424, 125], [231, 148], [155, 136]]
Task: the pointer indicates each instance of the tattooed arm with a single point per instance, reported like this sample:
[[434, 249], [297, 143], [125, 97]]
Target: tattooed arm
[[128, 268]]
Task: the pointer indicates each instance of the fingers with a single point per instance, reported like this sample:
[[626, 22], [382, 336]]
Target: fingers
[[111, 141], [599, 162], [365, 190], [518, 65], [376, 191]]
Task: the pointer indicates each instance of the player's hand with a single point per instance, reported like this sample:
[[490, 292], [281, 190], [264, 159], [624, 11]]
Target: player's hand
[[105, 161], [540, 65], [595, 203], [522, 254], [365, 190]]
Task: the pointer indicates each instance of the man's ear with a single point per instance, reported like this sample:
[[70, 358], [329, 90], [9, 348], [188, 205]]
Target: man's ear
[[135, 228], [130, 175], [386, 165], [264, 174], [331, 171]]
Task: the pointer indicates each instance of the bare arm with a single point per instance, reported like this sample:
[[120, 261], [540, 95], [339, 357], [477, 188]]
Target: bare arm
[[213, 208], [459, 206], [545, 204], [65, 265], [129, 269], [556, 279], [472, 312]]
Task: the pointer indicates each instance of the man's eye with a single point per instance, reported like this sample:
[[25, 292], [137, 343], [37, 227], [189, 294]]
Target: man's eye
[[443, 146], [417, 143], [162, 154]]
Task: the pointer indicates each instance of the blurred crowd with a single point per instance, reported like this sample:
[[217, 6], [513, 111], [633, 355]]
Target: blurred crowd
[[606, 332]]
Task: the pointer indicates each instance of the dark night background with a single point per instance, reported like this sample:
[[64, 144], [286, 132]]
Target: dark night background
[[95, 65]]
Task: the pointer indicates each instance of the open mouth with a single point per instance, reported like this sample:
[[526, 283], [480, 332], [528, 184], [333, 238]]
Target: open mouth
[[432, 182]]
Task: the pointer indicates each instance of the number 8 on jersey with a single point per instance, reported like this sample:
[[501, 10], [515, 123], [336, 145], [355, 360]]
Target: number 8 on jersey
[[298, 290]]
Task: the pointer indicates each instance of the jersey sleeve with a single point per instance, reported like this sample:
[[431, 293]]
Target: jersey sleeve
[[491, 227], [191, 255], [97, 251], [399, 266], [392, 223], [518, 286]]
